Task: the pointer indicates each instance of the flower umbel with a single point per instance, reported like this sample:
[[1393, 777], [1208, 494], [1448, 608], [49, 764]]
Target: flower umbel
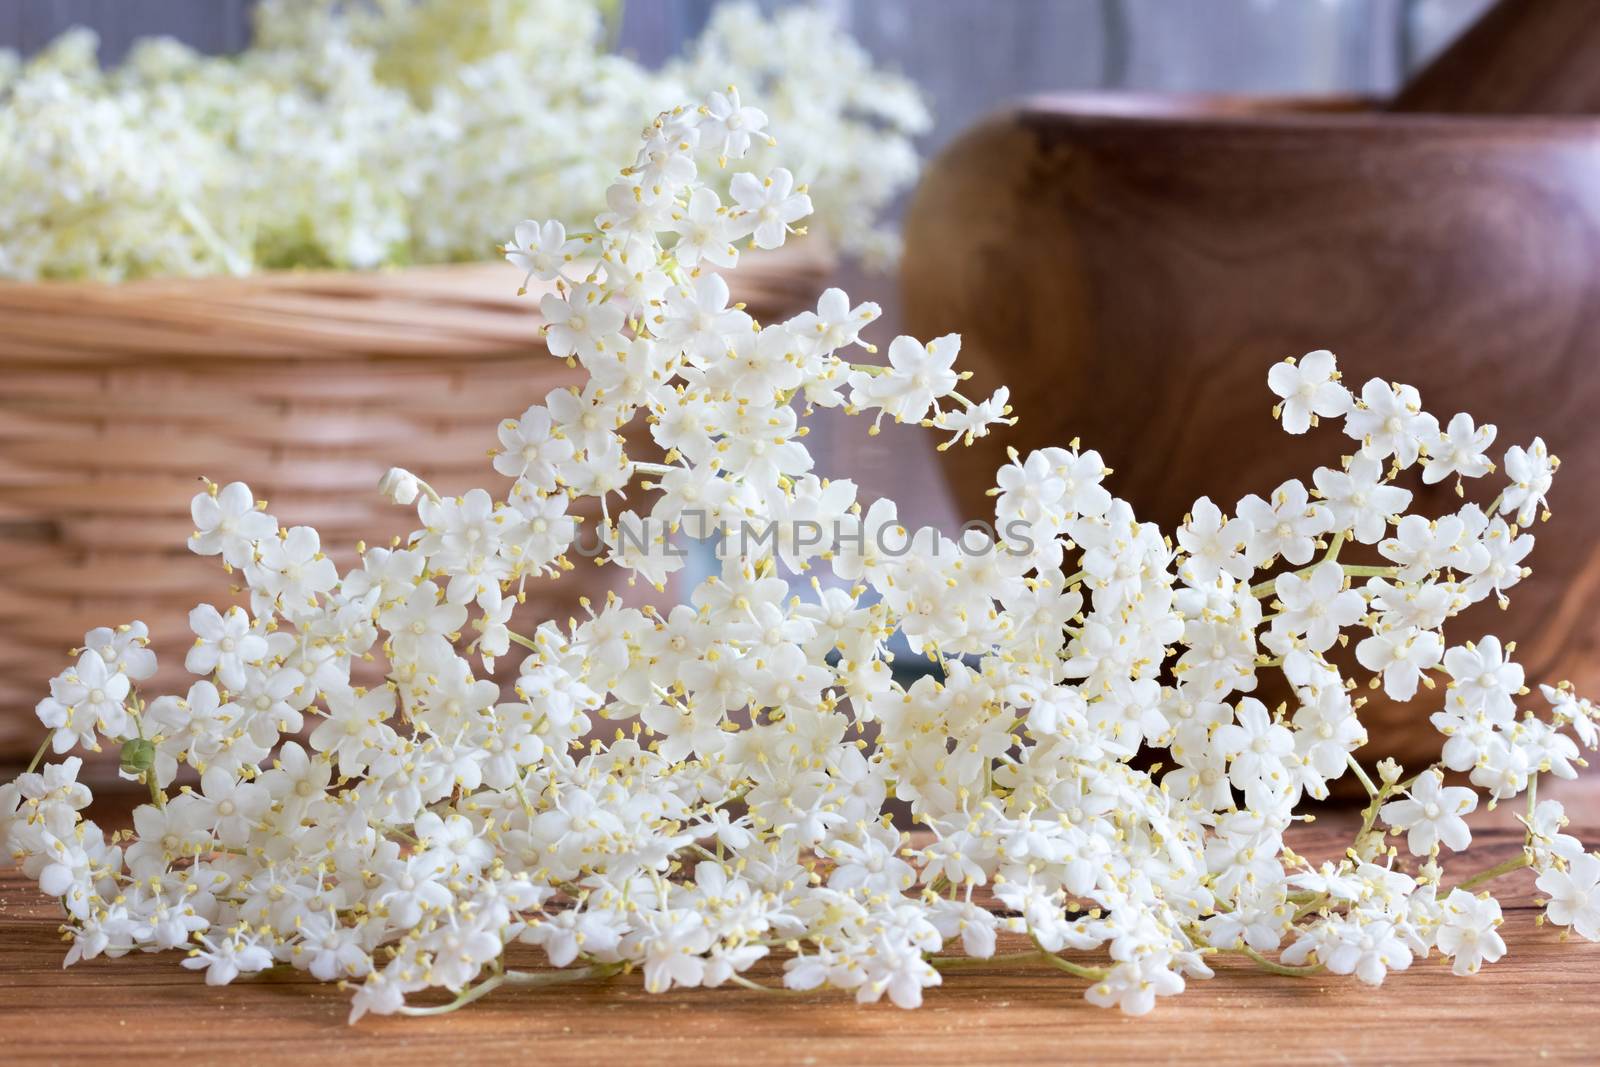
[[400, 835]]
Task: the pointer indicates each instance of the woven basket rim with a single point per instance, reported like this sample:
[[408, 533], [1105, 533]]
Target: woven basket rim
[[810, 252]]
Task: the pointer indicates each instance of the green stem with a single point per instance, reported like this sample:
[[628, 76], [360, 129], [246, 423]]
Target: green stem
[[961, 963], [1361, 775], [1282, 968], [1515, 863], [611, 14], [741, 980], [1093, 974], [1351, 570], [541, 978], [44, 746]]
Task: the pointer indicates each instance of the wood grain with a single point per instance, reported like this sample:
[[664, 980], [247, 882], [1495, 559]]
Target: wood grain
[[1132, 266], [1537, 1003]]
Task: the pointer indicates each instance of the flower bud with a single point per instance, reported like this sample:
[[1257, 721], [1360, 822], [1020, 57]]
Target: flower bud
[[1389, 771], [399, 485], [138, 756]]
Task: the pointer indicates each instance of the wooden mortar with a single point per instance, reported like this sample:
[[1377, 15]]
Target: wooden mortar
[[1131, 267]]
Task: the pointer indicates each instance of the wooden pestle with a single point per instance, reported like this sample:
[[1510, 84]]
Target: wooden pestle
[[1522, 57]]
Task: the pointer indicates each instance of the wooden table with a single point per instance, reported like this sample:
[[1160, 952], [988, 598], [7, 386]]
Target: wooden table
[[1542, 1001]]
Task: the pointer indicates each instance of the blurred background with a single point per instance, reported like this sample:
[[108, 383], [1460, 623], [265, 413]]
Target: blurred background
[[967, 56]]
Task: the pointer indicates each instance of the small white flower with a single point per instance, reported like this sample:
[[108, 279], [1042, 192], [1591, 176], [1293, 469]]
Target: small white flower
[[1134, 986], [769, 206], [1459, 450], [227, 523], [1317, 606], [1431, 815], [1389, 421], [917, 376], [1484, 679], [1469, 933], [541, 250], [1359, 498], [224, 644], [1532, 471], [584, 324], [225, 958], [1308, 388], [1574, 895], [732, 124]]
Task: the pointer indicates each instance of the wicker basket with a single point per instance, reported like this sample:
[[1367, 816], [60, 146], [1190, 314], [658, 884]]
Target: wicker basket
[[115, 399]]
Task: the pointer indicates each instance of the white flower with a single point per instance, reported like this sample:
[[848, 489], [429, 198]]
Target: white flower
[[1580, 713], [584, 324], [1317, 606], [1498, 567], [1359, 499], [1469, 933], [346, 734], [230, 807], [1389, 421], [971, 423], [706, 231], [732, 124], [917, 377], [227, 523], [1029, 491], [291, 570], [1459, 451], [330, 950], [770, 206], [1309, 389], [541, 249], [225, 958], [1431, 814], [530, 450], [1401, 656], [1546, 842], [1256, 747], [1134, 986], [835, 324], [672, 952], [1574, 895], [1367, 946], [1288, 526], [124, 648], [1532, 471], [224, 644], [643, 548], [1483, 679], [1215, 544], [699, 320], [453, 844]]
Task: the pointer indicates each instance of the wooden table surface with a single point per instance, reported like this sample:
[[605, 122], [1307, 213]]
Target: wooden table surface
[[1542, 1002]]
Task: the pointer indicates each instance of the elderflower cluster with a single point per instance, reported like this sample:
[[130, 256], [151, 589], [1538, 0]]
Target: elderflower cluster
[[356, 135], [683, 792]]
